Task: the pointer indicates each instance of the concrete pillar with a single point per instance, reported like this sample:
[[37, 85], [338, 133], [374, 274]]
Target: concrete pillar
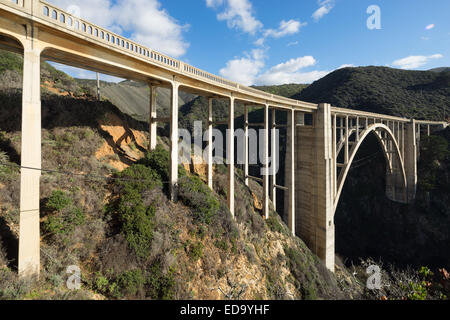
[[314, 182], [174, 142], [290, 177], [334, 142], [346, 140], [274, 160], [246, 157], [266, 162], [230, 156], [357, 129], [98, 87], [29, 237], [153, 125], [411, 160], [210, 143]]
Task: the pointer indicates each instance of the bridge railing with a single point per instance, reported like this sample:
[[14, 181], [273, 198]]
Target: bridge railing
[[62, 18], [90, 31]]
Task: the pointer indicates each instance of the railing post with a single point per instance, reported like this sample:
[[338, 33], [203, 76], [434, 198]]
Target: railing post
[[29, 237]]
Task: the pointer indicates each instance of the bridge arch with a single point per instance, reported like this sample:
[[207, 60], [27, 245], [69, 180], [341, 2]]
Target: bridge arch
[[391, 151]]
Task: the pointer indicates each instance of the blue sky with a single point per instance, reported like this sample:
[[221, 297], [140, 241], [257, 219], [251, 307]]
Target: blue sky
[[275, 42]]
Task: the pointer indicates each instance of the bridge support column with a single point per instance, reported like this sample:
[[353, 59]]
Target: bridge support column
[[290, 169], [410, 145], [395, 184], [266, 172], [230, 155], [273, 154], [246, 148], [29, 238], [152, 121], [210, 143], [174, 142], [315, 185]]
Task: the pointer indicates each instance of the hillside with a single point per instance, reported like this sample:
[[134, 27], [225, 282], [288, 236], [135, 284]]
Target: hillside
[[133, 98], [418, 94], [105, 208], [442, 69]]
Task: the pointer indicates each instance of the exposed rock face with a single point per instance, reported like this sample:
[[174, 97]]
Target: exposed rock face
[[124, 145]]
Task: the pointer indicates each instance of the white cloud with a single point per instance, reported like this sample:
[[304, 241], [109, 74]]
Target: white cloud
[[430, 26], [213, 3], [414, 62], [260, 42], [290, 72], [238, 14], [286, 28], [153, 26], [325, 7], [249, 70], [294, 43], [245, 70]]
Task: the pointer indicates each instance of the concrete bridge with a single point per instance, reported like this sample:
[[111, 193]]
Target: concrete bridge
[[319, 152]]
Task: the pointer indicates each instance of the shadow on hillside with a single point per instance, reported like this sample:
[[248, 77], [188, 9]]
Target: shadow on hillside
[[10, 244], [60, 111]]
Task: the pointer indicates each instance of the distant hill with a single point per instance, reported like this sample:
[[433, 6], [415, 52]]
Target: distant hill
[[418, 94], [442, 69], [285, 90], [133, 98]]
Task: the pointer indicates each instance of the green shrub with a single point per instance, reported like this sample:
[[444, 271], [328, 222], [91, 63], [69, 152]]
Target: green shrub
[[158, 160], [418, 291], [64, 216], [58, 201], [160, 286], [131, 282], [274, 224], [194, 193], [136, 218], [221, 244], [196, 251]]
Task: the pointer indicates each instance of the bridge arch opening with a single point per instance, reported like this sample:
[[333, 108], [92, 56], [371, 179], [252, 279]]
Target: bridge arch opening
[[363, 194], [396, 186]]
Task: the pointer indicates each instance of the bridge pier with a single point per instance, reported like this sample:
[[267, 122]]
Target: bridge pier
[[210, 143], [29, 234], [174, 142], [230, 155], [314, 222], [411, 150], [153, 129], [290, 169]]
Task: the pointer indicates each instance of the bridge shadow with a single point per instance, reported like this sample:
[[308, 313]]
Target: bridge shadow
[[66, 111], [9, 243]]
